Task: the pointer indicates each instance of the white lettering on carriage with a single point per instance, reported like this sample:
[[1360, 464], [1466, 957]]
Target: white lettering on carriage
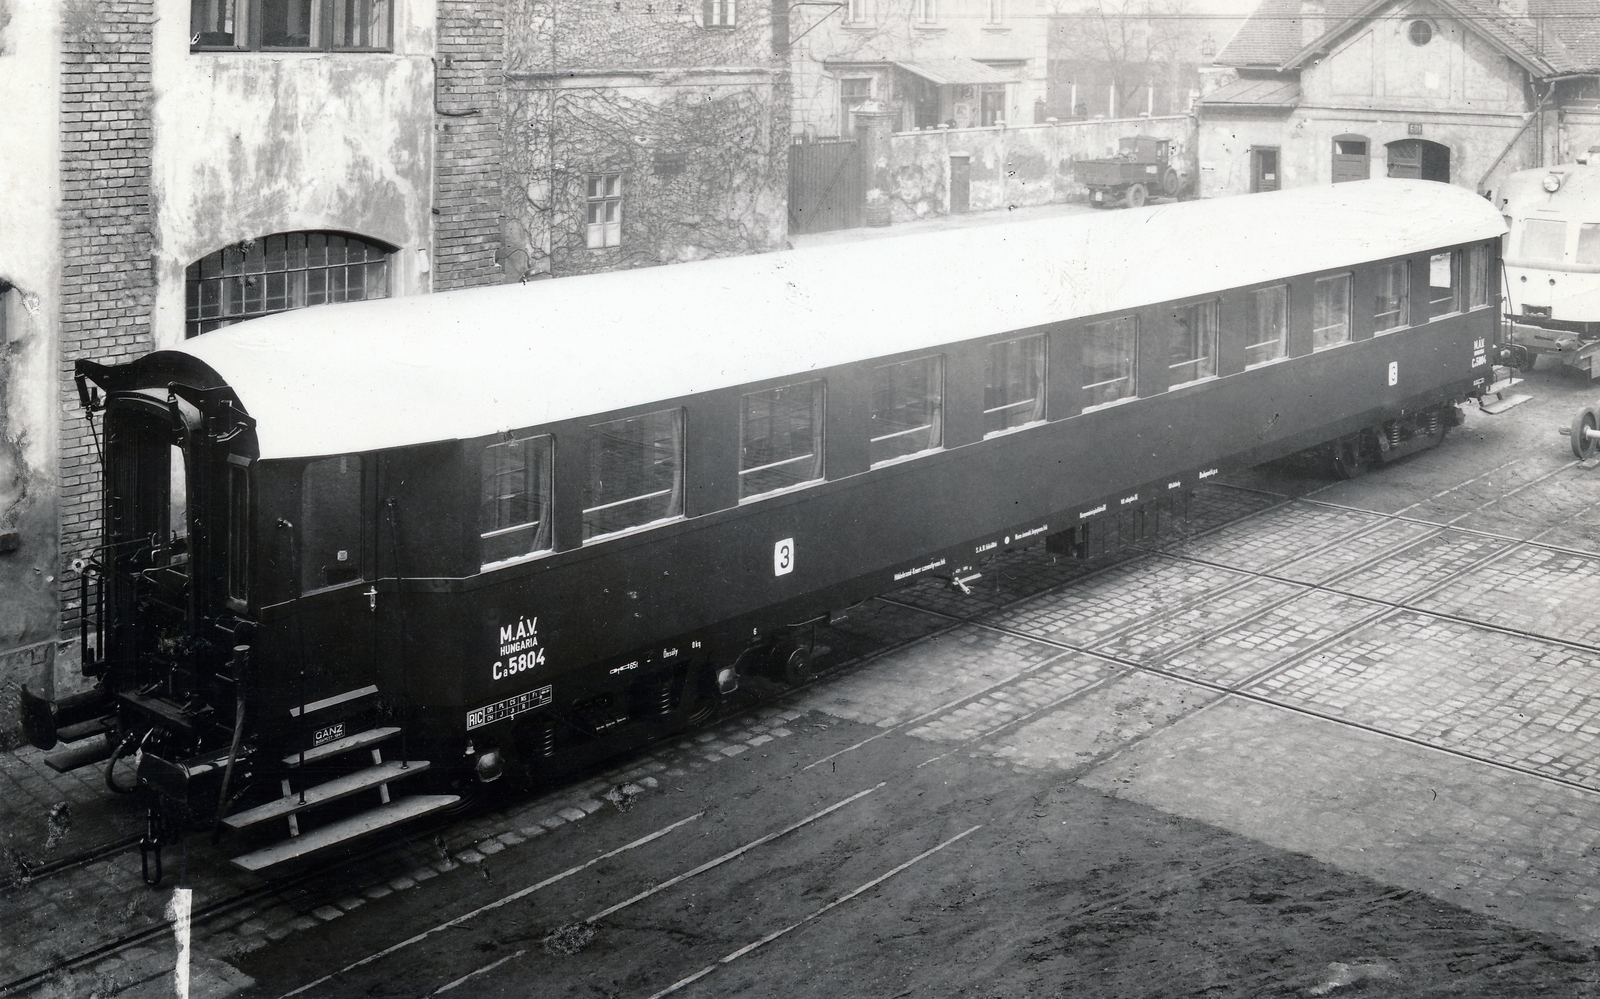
[[519, 648], [1085, 515]]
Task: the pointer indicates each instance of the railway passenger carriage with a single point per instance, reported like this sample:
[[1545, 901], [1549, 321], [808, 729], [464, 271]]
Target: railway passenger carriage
[[416, 542]]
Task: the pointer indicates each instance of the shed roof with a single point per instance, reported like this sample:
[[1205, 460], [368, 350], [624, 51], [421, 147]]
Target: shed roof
[[338, 379], [957, 70], [1277, 94]]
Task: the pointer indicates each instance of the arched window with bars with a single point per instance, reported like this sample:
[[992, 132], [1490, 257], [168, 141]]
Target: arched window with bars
[[284, 271]]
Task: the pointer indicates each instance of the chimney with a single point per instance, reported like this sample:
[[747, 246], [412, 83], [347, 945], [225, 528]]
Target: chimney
[[1313, 14]]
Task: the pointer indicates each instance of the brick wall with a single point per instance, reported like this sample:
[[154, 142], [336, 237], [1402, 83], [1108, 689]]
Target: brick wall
[[468, 143], [107, 281]]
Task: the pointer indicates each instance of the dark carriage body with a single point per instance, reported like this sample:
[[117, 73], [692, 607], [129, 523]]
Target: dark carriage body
[[341, 493]]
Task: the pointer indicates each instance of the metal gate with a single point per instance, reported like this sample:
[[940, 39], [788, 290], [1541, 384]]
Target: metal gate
[[825, 186]]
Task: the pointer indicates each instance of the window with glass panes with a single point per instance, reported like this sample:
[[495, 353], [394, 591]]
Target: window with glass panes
[[1330, 311], [1444, 283], [1013, 393], [1192, 349], [291, 270], [1391, 304], [331, 525], [907, 408], [1588, 243], [514, 511], [635, 473], [1266, 325], [1543, 241], [780, 438], [1110, 361], [317, 25], [717, 13], [604, 207], [1480, 276]]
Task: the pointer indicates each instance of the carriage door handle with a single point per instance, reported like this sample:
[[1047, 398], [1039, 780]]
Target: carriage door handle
[[372, 597]]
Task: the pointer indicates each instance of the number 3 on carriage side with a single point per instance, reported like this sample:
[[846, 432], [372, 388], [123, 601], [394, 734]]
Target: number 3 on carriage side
[[783, 557]]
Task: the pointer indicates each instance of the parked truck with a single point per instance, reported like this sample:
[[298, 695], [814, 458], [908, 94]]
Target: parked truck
[[1144, 167]]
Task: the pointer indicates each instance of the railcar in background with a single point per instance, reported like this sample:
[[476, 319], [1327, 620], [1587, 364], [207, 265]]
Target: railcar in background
[[1552, 262], [359, 559]]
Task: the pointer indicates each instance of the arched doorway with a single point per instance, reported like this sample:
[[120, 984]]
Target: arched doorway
[[1351, 158], [1419, 159], [284, 271]]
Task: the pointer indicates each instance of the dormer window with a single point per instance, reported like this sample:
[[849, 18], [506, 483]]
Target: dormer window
[[1420, 33]]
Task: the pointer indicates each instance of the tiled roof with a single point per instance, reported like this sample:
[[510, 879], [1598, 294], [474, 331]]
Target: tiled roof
[[1263, 95], [1557, 36]]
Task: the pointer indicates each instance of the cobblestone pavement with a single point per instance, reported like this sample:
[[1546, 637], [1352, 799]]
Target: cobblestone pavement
[[1399, 675]]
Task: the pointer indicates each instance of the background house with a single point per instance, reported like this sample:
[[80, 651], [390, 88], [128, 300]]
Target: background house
[[960, 63], [1460, 91]]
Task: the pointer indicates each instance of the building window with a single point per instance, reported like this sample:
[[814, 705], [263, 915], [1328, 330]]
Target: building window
[[316, 25], [1444, 283], [635, 473], [1110, 361], [780, 438], [927, 11], [856, 11], [514, 515], [994, 11], [853, 92], [1266, 325], [907, 409], [1013, 395], [331, 539], [1481, 275], [717, 13], [604, 218], [258, 277], [1330, 312], [1419, 32], [1391, 307], [1193, 351], [1543, 241]]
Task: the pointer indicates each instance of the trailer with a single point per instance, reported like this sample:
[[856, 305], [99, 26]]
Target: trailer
[[1143, 167]]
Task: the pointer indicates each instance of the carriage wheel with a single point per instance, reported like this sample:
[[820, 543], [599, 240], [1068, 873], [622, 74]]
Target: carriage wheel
[[1348, 462], [1136, 196], [1170, 183], [1582, 445]]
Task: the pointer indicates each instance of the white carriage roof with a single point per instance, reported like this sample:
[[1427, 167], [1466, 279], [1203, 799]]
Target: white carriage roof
[[345, 378]]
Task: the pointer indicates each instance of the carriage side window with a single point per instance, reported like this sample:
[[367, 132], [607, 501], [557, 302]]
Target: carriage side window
[[1480, 277], [1193, 352], [635, 473], [1391, 307], [780, 438], [1444, 283], [1110, 361], [1266, 333], [1543, 241], [1330, 312], [330, 522], [907, 409], [1013, 394], [238, 554], [514, 513], [1589, 243]]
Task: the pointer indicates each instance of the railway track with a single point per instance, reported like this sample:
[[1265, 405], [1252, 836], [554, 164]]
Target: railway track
[[1269, 574]]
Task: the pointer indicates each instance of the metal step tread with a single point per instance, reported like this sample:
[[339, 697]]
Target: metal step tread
[[333, 790], [359, 740], [1504, 403], [397, 811], [70, 756]]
